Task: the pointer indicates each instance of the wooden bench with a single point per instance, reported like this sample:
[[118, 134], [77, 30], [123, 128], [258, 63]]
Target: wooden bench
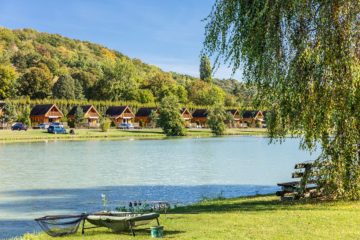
[[305, 186]]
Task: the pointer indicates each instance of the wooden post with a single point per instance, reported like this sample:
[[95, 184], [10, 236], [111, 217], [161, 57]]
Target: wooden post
[[131, 229]]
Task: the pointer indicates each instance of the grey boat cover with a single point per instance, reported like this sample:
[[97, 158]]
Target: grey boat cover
[[120, 221]]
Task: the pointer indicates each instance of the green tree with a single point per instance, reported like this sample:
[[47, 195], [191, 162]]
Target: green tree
[[87, 81], [229, 119], [304, 59], [9, 113], [216, 119], [79, 116], [8, 77], [154, 117], [36, 83], [64, 88], [205, 69], [78, 90], [181, 93], [119, 82], [203, 93], [144, 96], [25, 116], [170, 119], [161, 84], [105, 124]]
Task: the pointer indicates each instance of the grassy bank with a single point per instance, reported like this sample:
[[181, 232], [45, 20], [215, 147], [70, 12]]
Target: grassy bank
[[262, 217], [83, 134]]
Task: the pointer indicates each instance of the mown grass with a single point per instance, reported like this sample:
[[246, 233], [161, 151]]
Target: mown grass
[[260, 217], [84, 134]]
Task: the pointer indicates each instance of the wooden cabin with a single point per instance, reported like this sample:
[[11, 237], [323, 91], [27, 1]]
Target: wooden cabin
[[45, 113], [120, 114], [236, 117], [187, 116], [200, 117], [91, 115], [143, 116], [252, 117]]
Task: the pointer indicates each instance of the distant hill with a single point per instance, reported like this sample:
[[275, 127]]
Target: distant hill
[[42, 65]]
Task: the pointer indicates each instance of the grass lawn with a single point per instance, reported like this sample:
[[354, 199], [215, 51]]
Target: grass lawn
[[39, 135], [261, 217]]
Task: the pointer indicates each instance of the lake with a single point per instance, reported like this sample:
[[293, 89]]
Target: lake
[[69, 176]]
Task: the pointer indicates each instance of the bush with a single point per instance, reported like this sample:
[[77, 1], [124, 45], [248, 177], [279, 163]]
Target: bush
[[71, 123], [105, 124], [216, 121]]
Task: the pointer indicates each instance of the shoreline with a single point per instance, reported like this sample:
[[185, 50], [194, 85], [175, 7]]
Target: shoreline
[[250, 217], [36, 135]]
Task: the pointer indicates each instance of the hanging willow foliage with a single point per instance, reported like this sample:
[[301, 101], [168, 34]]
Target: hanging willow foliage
[[304, 56]]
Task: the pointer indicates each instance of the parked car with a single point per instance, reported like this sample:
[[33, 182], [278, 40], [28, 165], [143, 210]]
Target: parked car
[[42, 126], [56, 129], [19, 127], [56, 124], [126, 126]]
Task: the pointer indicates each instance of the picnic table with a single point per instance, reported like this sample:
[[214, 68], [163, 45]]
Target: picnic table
[[304, 186]]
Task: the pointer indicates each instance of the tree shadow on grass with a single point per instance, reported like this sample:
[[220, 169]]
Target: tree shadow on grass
[[246, 204]]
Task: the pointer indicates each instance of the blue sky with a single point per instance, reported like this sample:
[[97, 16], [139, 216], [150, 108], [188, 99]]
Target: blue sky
[[166, 33]]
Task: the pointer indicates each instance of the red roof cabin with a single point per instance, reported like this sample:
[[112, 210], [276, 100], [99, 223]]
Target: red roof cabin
[[45, 113], [91, 115]]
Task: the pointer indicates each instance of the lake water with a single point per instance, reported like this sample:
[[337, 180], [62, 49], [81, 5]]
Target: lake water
[[68, 177]]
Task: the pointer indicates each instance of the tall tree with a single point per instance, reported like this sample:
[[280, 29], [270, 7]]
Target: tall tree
[[79, 116], [25, 116], [64, 88], [170, 119], [304, 57], [78, 90], [205, 68], [10, 115], [8, 77]]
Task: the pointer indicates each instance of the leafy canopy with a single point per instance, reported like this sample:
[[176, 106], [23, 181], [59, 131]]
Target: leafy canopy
[[304, 58], [40, 59], [216, 119], [205, 69], [170, 119]]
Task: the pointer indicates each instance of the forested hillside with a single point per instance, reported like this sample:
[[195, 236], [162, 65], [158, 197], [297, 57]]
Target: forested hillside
[[40, 66]]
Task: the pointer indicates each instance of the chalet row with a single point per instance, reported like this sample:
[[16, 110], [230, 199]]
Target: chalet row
[[48, 113]]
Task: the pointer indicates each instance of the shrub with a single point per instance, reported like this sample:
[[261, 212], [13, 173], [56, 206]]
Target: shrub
[[105, 124], [216, 121]]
